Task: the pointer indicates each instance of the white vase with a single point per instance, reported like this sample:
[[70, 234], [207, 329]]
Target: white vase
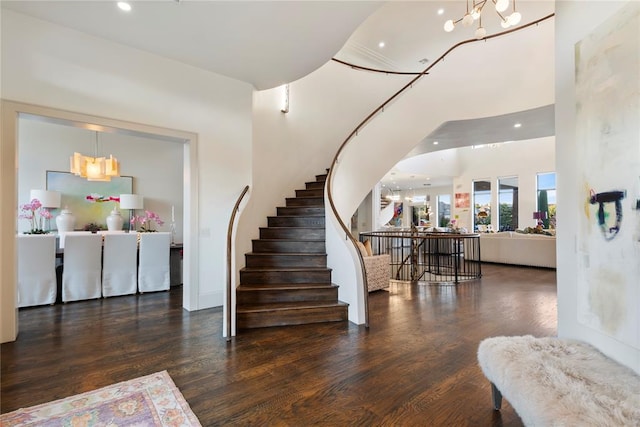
[[66, 221], [114, 221]]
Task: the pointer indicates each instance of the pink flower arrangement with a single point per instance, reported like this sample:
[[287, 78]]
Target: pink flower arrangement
[[145, 221], [97, 198], [36, 214]]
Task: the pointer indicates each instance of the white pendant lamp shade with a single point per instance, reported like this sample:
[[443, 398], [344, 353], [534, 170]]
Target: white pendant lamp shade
[[502, 5], [449, 26], [515, 18], [48, 199], [480, 33], [94, 168], [467, 21], [131, 201]]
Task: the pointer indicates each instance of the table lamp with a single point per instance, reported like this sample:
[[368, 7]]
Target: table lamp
[[540, 216], [131, 202]]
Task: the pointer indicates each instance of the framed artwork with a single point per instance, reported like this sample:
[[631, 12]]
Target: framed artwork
[[74, 191], [462, 200]]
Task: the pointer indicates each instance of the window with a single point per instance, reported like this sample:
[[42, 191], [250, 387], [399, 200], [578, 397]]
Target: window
[[508, 204], [546, 200], [444, 210], [481, 205]]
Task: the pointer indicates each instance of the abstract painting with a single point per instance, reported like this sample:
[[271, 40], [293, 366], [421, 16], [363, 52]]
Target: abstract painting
[[608, 140], [79, 196]]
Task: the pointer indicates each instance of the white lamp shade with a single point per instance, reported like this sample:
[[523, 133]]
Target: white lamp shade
[[502, 5], [48, 199], [449, 26], [467, 20], [131, 201], [515, 18]]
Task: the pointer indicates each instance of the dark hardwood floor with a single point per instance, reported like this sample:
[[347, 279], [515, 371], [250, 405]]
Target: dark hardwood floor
[[415, 366]]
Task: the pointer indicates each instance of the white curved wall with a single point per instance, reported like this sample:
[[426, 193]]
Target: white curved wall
[[455, 89]]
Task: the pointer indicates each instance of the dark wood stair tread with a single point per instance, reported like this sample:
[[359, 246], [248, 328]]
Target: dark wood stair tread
[[287, 254], [295, 305], [285, 286], [286, 269], [289, 240]]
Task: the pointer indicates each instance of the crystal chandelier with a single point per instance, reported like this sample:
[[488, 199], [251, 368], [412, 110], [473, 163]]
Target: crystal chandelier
[[94, 168], [475, 13]]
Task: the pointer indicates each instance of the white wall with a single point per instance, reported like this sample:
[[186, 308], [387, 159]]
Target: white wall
[[574, 21], [46, 146], [523, 159], [49, 65], [290, 149]]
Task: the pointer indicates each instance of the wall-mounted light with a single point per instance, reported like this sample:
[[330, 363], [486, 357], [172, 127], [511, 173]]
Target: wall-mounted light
[[285, 99]]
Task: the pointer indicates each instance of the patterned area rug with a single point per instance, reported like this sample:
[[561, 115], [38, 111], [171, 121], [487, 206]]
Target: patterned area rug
[[153, 400]]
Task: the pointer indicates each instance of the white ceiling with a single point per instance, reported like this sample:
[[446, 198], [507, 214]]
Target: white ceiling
[[268, 43], [265, 43]]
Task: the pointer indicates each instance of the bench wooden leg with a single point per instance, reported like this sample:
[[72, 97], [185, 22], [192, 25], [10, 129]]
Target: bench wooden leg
[[496, 397]]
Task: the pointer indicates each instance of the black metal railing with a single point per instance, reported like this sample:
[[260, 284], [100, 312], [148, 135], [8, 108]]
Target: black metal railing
[[437, 257]]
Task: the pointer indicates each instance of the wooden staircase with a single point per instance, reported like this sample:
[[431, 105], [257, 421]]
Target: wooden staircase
[[286, 280]]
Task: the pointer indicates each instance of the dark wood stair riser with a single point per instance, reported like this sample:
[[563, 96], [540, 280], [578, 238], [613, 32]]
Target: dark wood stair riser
[[280, 260], [250, 276], [321, 178], [264, 295], [305, 201], [293, 233], [289, 246], [293, 316], [314, 185], [301, 211], [310, 193], [295, 221]]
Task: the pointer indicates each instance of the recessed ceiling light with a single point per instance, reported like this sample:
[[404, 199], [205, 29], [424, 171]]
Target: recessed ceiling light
[[440, 11], [435, 142], [123, 5], [381, 45], [517, 125]]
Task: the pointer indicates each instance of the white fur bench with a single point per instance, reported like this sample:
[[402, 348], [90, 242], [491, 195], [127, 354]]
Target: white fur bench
[[558, 382]]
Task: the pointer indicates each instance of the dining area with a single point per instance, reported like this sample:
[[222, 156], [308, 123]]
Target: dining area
[[83, 265]]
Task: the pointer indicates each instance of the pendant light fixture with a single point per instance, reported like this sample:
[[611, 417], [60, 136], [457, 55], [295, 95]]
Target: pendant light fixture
[[475, 13], [94, 168]]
